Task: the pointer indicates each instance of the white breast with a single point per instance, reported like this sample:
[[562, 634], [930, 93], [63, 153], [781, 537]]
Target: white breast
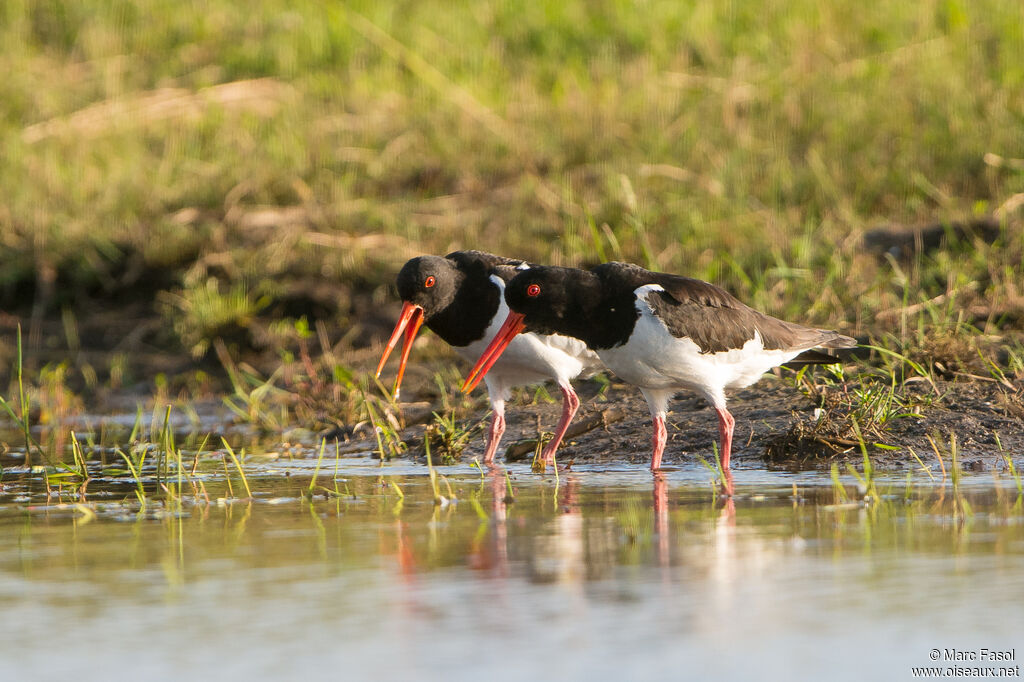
[[531, 358]]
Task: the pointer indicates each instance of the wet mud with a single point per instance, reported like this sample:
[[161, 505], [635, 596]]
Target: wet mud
[[775, 426]]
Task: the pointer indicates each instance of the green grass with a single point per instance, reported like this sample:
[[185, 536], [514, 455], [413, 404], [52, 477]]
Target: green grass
[[245, 183], [214, 161], [21, 419]]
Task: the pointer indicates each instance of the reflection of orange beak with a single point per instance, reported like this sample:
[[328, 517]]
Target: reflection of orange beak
[[409, 322], [512, 326]]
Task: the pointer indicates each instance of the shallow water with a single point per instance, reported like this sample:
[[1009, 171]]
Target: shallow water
[[599, 572]]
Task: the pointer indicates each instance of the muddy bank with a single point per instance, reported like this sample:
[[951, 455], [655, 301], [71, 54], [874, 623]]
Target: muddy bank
[[775, 425]]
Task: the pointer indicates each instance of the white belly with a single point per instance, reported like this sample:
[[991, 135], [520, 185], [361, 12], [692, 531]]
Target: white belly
[[654, 359]]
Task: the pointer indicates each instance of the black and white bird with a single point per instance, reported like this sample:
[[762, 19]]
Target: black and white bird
[[460, 298], [659, 332]]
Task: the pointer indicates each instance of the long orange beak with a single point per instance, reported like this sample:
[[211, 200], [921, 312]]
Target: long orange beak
[[409, 322], [512, 326]]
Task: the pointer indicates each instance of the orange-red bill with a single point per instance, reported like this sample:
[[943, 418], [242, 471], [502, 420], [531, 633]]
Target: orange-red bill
[[509, 329], [409, 322]]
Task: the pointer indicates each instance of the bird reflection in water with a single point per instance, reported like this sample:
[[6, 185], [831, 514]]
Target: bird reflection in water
[[558, 554], [724, 525], [660, 502], [489, 550], [729, 510]]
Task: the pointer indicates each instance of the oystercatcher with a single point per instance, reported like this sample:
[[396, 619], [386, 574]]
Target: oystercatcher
[[460, 298], [659, 332]]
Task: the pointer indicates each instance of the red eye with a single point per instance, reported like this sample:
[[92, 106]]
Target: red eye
[[533, 290], [430, 282]]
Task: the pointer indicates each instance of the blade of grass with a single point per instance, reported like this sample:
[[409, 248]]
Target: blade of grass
[[319, 460], [238, 465]]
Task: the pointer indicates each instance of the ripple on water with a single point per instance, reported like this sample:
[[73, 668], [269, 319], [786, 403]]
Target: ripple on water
[[599, 568]]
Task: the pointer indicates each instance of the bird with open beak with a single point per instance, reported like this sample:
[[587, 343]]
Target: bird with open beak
[[460, 298]]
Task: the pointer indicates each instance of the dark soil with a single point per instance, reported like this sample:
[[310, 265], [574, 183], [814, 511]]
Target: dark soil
[[772, 422]]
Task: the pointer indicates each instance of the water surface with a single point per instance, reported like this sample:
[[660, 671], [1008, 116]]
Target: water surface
[[599, 572]]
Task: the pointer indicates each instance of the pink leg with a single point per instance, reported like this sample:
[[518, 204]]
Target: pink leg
[[660, 436], [570, 403], [725, 429], [495, 432]]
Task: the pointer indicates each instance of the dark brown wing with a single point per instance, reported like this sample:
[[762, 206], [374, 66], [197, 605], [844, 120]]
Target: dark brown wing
[[716, 320]]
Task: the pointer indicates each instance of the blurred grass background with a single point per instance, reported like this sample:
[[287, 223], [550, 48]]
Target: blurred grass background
[[174, 173]]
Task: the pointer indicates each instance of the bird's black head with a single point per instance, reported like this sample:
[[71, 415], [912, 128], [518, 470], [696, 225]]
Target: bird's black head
[[553, 300], [430, 282]]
